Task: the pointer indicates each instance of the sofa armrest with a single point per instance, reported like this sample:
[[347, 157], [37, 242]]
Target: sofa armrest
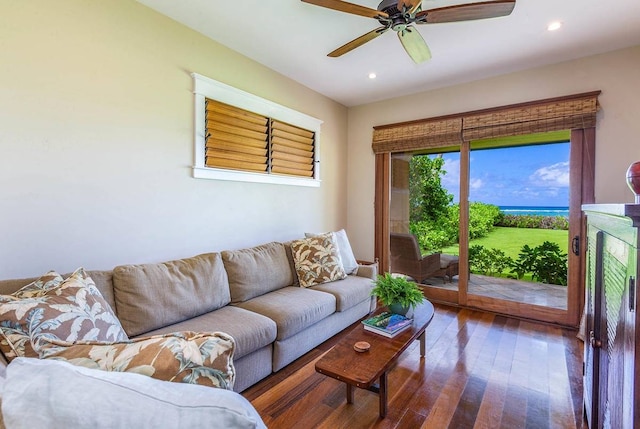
[[367, 269]]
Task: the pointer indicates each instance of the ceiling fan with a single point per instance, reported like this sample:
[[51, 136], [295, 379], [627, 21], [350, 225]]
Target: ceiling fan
[[399, 15]]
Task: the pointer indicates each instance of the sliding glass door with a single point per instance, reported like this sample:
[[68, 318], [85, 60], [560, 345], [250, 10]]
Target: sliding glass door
[[503, 218]]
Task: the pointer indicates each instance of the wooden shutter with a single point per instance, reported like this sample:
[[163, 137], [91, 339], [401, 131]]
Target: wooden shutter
[[235, 138], [292, 150]]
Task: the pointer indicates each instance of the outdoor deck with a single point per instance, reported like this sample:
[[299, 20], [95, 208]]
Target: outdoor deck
[[510, 289]]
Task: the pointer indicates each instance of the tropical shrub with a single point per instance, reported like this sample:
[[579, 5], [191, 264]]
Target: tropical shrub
[[443, 232], [428, 199], [546, 263], [533, 221], [525, 262], [431, 238], [482, 218], [551, 264], [490, 262]]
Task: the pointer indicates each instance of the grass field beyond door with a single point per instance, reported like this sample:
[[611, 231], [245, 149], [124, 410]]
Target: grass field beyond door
[[511, 240]]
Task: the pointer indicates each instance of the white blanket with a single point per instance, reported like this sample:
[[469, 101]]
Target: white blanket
[[54, 394]]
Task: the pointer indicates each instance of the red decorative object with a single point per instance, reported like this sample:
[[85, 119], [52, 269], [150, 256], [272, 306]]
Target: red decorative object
[[633, 179]]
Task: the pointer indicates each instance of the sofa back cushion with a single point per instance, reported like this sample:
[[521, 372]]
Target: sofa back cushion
[[102, 280], [151, 296], [104, 283], [257, 270]]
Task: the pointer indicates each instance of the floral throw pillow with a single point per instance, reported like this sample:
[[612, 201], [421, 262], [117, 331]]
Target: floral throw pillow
[[13, 333], [316, 260], [186, 357], [72, 310], [39, 287]]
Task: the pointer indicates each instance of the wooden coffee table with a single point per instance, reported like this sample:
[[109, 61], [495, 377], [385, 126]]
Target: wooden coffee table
[[364, 369]]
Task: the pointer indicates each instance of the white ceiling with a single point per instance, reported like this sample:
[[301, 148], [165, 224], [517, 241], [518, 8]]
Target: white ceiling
[[293, 38]]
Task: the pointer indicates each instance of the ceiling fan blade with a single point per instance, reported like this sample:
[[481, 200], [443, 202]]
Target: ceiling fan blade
[[466, 12], [358, 42], [414, 44], [410, 5], [343, 6]]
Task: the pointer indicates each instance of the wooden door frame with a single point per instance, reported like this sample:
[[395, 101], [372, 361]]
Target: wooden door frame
[[582, 181], [381, 211]]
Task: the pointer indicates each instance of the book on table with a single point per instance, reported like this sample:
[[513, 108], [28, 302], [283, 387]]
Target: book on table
[[387, 324]]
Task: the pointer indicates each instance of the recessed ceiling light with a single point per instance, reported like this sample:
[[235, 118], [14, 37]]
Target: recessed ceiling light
[[372, 75], [553, 26]]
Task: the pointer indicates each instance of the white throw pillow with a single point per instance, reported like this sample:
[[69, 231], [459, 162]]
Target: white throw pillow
[[347, 257], [54, 394]]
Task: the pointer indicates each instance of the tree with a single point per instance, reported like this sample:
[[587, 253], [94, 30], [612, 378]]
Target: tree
[[428, 200]]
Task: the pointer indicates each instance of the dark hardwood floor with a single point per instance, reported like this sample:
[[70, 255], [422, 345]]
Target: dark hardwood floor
[[481, 371]]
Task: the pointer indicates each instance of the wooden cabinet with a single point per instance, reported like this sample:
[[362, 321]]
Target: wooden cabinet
[[611, 352]]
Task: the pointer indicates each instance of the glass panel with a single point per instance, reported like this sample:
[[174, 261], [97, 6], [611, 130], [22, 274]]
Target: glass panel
[[424, 218], [518, 224]]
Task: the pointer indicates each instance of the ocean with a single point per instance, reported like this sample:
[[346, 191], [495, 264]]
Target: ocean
[[535, 210]]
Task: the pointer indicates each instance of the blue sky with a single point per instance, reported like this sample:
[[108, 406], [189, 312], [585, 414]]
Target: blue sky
[[517, 176]]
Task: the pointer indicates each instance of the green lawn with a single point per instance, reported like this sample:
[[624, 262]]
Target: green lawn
[[511, 240]]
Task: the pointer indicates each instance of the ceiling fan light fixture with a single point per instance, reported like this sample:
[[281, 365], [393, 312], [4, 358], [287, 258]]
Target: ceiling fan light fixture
[[553, 26], [401, 15]]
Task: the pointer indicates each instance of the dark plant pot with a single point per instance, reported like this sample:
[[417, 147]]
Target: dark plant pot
[[399, 309]]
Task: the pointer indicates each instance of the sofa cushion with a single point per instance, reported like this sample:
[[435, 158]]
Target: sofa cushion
[[14, 339], [348, 292], [347, 258], [251, 331], [183, 357], [151, 296], [292, 265], [255, 271], [65, 396], [292, 308], [71, 310], [316, 260], [104, 283]]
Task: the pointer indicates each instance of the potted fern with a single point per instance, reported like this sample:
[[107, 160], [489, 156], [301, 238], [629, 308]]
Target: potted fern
[[397, 293]]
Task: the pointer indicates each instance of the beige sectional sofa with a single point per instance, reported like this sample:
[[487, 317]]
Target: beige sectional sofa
[[251, 294]]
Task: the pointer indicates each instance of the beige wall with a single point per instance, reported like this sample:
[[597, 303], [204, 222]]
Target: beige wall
[[617, 74], [96, 139], [96, 142]]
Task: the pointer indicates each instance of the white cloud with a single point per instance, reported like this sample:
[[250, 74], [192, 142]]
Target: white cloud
[[475, 183], [452, 178], [556, 175], [552, 192], [526, 192]]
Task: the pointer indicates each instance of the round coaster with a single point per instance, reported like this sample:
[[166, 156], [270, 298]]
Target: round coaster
[[361, 346]]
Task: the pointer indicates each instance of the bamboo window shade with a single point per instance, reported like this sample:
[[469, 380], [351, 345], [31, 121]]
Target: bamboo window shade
[[241, 140], [418, 135], [556, 114]]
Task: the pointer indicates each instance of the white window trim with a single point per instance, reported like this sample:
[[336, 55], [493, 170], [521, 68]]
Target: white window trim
[[205, 87]]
